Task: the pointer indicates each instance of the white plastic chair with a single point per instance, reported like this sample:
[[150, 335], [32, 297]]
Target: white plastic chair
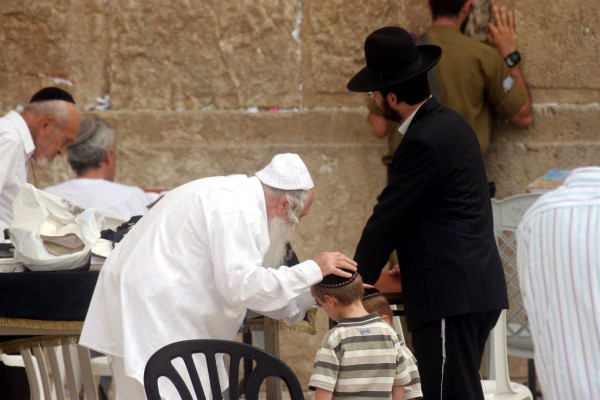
[[501, 388], [17, 361], [507, 215], [397, 324], [98, 367], [55, 367]]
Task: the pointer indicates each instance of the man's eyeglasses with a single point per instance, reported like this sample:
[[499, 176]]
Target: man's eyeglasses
[[371, 94]]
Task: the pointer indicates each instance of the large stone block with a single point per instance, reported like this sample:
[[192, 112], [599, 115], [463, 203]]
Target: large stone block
[[209, 54], [333, 38], [50, 43], [560, 42], [563, 136]]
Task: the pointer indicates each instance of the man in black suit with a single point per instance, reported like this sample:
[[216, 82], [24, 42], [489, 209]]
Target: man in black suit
[[436, 213]]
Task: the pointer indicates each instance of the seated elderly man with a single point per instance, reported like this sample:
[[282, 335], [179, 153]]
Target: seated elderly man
[[93, 158], [40, 132], [194, 264]]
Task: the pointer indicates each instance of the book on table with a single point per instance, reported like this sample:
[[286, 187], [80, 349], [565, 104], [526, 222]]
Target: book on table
[[549, 181]]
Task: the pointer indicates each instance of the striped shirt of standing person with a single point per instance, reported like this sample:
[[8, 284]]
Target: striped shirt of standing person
[[558, 255]]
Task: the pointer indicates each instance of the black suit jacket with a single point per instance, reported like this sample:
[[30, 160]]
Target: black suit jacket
[[436, 212]]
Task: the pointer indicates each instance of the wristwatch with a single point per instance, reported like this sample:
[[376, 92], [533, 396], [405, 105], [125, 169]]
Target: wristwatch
[[513, 59]]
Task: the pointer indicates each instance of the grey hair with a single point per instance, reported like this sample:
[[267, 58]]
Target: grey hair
[[59, 109], [95, 137], [296, 198]]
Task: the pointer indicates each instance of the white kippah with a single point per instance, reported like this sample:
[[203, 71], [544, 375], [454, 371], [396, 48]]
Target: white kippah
[[286, 172]]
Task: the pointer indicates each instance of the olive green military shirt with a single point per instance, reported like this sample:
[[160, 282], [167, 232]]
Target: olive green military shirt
[[473, 79]]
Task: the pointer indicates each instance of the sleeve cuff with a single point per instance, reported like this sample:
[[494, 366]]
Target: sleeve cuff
[[310, 271]]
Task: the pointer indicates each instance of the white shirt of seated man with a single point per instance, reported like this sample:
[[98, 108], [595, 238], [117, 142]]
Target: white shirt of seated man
[[93, 158]]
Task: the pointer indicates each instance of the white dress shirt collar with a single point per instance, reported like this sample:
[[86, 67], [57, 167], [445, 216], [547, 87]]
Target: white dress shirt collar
[[23, 130], [404, 127]]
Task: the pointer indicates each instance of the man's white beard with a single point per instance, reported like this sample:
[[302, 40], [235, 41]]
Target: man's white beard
[[281, 231], [42, 161]]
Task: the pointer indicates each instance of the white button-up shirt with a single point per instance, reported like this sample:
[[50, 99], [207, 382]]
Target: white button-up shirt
[[16, 147], [558, 252], [189, 269]]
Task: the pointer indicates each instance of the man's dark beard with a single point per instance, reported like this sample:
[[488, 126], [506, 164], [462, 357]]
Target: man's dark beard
[[388, 112]]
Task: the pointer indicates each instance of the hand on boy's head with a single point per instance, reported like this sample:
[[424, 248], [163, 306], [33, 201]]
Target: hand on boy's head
[[335, 263]]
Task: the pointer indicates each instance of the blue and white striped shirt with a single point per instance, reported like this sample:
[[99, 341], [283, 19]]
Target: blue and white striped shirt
[[558, 254]]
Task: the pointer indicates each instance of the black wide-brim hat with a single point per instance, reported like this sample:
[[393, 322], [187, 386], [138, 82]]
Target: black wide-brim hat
[[392, 58]]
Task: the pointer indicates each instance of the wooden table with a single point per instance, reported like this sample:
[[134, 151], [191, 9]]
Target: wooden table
[[29, 327]]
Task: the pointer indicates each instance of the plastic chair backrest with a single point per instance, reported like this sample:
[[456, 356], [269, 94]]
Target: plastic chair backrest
[[507, 215], [160, 365], [57, 369]]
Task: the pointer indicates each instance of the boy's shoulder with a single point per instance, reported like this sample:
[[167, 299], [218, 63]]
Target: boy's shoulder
[[367, 325]]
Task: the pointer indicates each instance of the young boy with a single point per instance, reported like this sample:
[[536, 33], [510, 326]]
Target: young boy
[[374, 301], [361, 357]]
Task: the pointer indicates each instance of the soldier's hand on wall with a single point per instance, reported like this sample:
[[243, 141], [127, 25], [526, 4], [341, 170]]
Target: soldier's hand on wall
[[502, 34]]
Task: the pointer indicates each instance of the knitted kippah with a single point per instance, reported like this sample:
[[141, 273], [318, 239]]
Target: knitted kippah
[[286, 172], [52, 93], [89, 126], [332, 281], [370, 293]]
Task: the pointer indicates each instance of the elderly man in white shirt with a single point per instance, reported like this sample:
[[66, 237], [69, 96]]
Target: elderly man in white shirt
[[41, 131], [93, 158], [558, 255], [194, 264]]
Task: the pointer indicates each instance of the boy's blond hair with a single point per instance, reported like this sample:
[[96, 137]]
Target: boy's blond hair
[[345, 291]]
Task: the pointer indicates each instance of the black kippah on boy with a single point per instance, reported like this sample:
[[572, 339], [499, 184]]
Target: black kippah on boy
[[333, 281], [51, 93], [371, 292]]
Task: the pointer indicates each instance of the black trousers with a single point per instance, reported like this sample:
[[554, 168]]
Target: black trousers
[[449, 354]]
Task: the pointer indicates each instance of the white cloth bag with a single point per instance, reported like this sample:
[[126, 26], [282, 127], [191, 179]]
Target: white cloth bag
[[51, 234]]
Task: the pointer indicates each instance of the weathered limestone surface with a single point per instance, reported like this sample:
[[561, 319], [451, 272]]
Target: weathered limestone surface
[[563, 136], [180, 76], [58, 43], [191, 55]]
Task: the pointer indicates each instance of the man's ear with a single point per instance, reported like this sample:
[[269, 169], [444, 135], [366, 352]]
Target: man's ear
[[392, 98], [385, 318], [46, 125], [329, 299], [283, 206], [109, 156]]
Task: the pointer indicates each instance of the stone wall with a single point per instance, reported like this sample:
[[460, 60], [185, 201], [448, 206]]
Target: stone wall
[[201, 88]]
